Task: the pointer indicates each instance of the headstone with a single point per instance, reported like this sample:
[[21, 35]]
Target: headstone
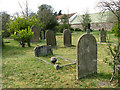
[[43, 50], [67, 38], [86, 56], [103, 35], [88, 31], [36, 34], [50, 38]]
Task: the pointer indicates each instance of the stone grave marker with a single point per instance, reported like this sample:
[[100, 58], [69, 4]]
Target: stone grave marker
[[103, 35], [50, 38], [86, 56], [36, 34], [43, 50], [67, 38]]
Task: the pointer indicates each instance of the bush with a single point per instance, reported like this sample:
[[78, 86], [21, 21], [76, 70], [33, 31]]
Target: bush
[[23, 36], [78, 29], [61, 27], [116, 29]]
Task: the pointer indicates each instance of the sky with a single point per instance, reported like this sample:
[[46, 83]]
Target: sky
[[67, 6]]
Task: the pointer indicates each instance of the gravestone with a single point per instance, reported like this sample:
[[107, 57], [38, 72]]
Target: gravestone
[[86, 56], [67, 38], [88, 29], [103, 35], [36, 34], [43, 50], [50, 38]]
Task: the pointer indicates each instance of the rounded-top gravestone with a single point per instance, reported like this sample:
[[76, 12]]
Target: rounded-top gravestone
[[86, 56], [50, 38], [36, 34], [67, 38], [103, 35]]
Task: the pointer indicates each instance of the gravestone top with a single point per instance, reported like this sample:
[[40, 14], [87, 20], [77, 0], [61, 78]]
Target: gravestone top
[[43, 51], [86, 56]]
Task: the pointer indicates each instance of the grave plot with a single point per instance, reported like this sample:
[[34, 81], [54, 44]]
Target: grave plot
[[43, 52]]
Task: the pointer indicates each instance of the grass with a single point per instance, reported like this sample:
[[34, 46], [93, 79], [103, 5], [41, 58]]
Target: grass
[[21, 69]]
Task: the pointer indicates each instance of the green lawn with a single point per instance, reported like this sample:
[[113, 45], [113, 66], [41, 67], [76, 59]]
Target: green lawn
[[21, 69]]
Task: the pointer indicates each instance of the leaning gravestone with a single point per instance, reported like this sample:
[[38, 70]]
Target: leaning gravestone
[[67, 38], [103, 35], [43, 50], [36, 34], [50, 38], [86, 56]]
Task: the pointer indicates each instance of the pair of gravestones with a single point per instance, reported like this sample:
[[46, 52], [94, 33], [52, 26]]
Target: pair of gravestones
[[51, 38], [38, 34]]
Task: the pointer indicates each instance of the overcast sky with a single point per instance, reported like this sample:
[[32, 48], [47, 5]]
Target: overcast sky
[[67, 6]]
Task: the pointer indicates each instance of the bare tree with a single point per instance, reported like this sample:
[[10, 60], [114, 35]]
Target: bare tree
[[111, 5], [114, 7]]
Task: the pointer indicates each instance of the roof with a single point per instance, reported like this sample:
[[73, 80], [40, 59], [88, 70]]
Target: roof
[[69, 15], [95, 18]]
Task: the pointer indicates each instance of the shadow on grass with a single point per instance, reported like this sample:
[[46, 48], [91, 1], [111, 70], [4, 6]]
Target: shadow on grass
[[9, 50], [59, 34]]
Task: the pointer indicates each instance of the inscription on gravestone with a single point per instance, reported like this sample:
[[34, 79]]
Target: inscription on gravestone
[[86, 56]]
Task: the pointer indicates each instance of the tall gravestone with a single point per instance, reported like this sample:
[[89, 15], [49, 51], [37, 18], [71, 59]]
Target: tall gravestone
[[36, 34], [50, 38], [86, 56], [103, 35], [67, 38]]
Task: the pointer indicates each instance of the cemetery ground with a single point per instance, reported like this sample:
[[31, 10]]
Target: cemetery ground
[[21, 69]]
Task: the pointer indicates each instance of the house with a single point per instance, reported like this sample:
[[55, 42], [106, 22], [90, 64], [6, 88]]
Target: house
[[98, 20], [70, 16]]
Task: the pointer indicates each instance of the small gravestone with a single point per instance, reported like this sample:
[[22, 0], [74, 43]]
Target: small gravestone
[[88, 29], [36, 34], [67, 38], [50, 38], [43, 50], [103, 35], [86, 56]]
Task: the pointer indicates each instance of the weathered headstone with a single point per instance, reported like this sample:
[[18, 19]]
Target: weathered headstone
[[43, 50], [67, 38], [88, 29], [36, 34], [86, 56], [103, 35], [50, 38]]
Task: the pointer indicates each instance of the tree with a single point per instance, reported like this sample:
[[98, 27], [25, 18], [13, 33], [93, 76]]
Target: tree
[[60, 12], [5, 20], [86, 20], [20, 29], [64, 23], [114, 7], [47, 17]]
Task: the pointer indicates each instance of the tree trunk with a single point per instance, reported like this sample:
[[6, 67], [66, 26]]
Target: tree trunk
[[119, 77], [119, 40], [28, 42]]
